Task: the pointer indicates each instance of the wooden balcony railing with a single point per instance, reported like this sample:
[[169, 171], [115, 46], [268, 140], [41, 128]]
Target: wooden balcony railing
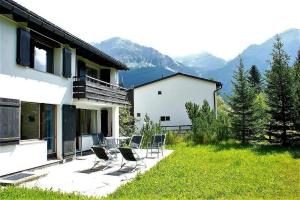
[[86, 87]]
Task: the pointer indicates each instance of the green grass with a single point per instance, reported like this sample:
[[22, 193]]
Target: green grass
[[228, 171], [220, 171]]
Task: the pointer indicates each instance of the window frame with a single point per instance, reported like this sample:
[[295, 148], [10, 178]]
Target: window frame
[[49, 56]]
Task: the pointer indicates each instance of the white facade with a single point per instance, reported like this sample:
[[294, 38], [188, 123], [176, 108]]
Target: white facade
[[30, 85], [175, 92]]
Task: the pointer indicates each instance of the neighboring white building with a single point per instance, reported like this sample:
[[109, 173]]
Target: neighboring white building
[[163, 100], [55, 89]]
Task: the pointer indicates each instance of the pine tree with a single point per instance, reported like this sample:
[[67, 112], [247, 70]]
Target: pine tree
[[241, 103], [296, 91], [279, 92], [254, 79]]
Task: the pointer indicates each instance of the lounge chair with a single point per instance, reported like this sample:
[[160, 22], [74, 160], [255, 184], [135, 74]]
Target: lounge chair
[[158, 143], [136, 141], [101, 139], [111, 146], [130, 155], [102, 154]]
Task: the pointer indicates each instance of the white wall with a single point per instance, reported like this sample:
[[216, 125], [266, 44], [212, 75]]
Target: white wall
[[26, 155], [176, 91]]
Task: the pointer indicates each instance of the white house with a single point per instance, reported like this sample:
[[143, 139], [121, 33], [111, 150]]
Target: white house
[[55, 91], [163, 100]]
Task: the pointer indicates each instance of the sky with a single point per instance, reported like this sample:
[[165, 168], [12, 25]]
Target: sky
[[174, 27]]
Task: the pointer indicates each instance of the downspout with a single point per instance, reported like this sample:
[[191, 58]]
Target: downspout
[[215, 102]]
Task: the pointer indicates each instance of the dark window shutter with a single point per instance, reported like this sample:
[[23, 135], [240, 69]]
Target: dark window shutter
[[105, 75], [50, 65], [9, 121], [69, 129], [23, 47], [81, 68], [67, 64]]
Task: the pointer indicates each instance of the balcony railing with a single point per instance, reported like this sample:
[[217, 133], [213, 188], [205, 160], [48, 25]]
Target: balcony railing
[[86, 87]]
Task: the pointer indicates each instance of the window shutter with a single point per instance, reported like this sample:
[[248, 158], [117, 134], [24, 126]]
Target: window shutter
[[23, 47], [9, 121], [50, 64], [81, 68], [69, 129], [67, 64]]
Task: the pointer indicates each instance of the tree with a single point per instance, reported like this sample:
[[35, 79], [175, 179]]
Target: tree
[[296, 91], [254, 79], [127, 122], [279, 92], [241, 102]]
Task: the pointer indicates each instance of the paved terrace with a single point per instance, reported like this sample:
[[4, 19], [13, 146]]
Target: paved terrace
[[76, 176]]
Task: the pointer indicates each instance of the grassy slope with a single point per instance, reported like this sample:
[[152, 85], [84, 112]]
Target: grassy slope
[[220, 171]]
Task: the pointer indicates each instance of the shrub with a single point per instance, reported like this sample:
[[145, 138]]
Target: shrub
[[149, 129]]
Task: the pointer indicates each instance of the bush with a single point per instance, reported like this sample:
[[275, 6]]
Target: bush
[[174, 137], [149, 129]]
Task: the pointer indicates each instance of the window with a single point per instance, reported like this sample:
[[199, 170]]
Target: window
[[41, 57], [159, 92], [138, 114], [38, 122], [164, 118], [87, 121], [92, 72]]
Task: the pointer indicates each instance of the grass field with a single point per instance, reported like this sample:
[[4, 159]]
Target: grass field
[[227, 171]]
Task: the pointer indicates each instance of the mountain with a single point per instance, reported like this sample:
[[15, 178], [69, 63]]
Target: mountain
[[202, 62], [145, 63], [259, 55]]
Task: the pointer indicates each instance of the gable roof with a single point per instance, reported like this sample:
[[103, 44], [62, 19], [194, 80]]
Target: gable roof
[[41, 25], [219, 84]]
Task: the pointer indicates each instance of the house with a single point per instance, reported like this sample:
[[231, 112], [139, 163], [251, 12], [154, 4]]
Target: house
[[163, 100], [55, 91]]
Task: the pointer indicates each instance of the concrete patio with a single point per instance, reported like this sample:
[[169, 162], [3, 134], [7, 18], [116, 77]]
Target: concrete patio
[[76, 176]]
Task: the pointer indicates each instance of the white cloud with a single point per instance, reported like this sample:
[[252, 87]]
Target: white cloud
[[174, 27]]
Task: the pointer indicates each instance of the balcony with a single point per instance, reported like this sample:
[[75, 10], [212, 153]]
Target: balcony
[[86, 87]]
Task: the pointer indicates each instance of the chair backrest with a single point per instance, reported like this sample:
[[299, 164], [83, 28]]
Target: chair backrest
[[127, 154], [136, 141], [101, 138], [156, 139], [111, 143], [100, 152]]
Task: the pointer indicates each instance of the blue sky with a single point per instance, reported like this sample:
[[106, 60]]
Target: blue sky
[[174, 27]]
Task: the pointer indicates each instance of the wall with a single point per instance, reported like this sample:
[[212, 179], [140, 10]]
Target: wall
[[28, 154], [176, 91]]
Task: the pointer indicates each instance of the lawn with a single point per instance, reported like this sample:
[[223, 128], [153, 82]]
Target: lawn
[[227, 171]]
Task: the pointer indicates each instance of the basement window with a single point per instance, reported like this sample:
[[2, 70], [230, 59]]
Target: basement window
[[138, 114], [159, 92]]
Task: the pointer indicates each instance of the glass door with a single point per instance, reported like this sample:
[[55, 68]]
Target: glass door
[[48, 126]]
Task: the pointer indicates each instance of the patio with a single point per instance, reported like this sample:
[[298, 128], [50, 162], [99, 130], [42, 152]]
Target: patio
[[78, 177]]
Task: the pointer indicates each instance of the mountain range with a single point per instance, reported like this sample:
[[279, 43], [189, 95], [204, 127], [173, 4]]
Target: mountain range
[[148, 64]]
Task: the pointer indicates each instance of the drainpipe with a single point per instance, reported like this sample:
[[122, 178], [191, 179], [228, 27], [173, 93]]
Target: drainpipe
[[215, 101]]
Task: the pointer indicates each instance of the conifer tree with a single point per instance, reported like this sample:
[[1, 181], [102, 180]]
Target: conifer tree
[[296, 91], [254, 79], [242, 102], [279, 92]]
